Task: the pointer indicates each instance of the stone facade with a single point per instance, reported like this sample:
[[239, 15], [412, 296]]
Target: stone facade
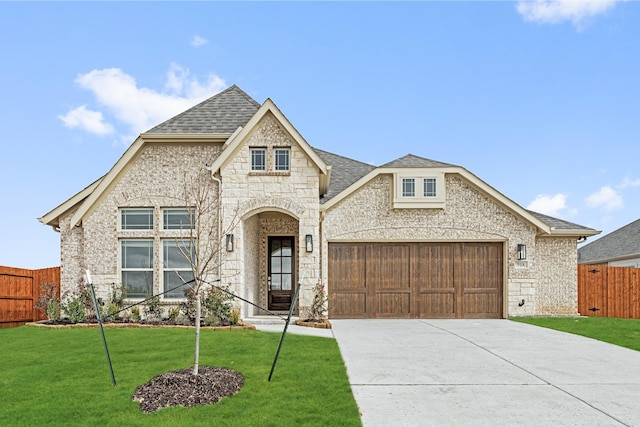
[[155, 180], [546, 281], [286, 203], [252, 206]]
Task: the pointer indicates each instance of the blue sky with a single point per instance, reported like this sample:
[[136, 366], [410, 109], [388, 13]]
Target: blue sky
[[539, 99]]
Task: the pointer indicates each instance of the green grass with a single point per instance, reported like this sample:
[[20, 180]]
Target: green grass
[[622, 332], [60, 377]]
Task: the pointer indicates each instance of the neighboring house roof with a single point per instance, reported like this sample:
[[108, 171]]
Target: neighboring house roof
[[222, 113], [619, 244]]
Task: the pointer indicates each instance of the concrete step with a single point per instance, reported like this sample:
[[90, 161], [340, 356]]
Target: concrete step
[[267, 320]]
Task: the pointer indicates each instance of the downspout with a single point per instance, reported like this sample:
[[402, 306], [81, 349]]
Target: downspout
[[219, 181]]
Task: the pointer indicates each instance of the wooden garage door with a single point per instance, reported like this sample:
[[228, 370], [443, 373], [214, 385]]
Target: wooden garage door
[[415, 280]]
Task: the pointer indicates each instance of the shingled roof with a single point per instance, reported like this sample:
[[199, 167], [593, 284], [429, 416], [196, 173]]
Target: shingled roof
[[344, 172], [559, 224], [413, 161], [621, 243], [220, 114]]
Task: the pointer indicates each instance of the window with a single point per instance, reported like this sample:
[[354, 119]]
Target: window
[[429, 187], [419, 189], [136, 219], [176, 267], [282, 159], [137, 267], [178, 219], [408, 187], [258, 159]]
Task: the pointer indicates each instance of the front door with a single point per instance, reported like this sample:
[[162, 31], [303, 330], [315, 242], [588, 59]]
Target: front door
[[280, 276]]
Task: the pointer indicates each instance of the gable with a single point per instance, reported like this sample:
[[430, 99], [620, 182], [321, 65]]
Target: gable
[[419, 167], [269, 124]]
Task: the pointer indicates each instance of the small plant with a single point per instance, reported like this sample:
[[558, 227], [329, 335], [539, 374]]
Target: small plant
[[216, 305], [188, 307], [84, 296], [152, 308], [173, 313], [75, 309], [135, 314], [234, 317], [318, 304], [49, 302]]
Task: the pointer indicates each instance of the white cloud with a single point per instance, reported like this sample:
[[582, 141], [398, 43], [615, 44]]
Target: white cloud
[[87, 120], [628, 182], [141, 108], [557, 11], [606, 198], [548, 205], [198, 41]]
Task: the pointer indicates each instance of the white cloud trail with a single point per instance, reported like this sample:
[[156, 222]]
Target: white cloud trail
[[558, 11], [606, 198], [548, 205]]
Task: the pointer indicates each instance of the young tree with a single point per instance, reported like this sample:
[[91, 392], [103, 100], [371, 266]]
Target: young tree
[[200, 244]]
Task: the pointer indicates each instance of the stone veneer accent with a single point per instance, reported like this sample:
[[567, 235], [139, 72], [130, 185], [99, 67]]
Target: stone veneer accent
[[546, 280], [155, 180], [293, 195], [257, 205]]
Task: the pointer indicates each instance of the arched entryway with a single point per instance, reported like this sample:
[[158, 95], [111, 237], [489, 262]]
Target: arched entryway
[[271, 259]]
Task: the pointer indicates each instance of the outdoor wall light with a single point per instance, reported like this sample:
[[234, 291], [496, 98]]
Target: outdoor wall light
[[309, 242], [521, 251], [229, 244]]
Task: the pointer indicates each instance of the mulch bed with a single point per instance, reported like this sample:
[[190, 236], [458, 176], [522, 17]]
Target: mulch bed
[[182, 388]]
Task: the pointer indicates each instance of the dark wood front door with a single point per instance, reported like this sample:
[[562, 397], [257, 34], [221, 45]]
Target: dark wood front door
[[281, 280]]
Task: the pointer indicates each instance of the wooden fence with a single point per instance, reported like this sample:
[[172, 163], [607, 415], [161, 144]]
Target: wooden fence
[[609, 291], [19, 292]]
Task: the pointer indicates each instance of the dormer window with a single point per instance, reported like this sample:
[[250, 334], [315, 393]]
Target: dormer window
[[259, 159], [419, 189], [281, 157], [408, 187], [429, 187]]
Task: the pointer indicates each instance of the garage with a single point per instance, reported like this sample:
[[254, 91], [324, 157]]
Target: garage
[[457, 280]]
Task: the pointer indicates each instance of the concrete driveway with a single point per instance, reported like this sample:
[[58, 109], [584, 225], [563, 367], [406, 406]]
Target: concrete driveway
[[486, 373]]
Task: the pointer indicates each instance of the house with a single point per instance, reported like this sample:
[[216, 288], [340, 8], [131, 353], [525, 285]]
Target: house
[[413, 238], [620, 248]]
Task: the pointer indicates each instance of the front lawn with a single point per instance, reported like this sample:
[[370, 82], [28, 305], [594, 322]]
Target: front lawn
[[60, 377], [622, 332]]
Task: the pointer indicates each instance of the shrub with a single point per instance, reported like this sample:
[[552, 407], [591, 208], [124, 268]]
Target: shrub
[[216, 306], [152, 308], [188, 307], [234, 317], [173, 314], [318, 305], [135, 314], [49, 302], [83, 294], [75, 309]]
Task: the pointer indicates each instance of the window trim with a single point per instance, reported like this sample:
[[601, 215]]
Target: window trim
[[254, 151], [123, 269], [190, 226], [165, 269], [419, 199], [121, 219], [277, 151]]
